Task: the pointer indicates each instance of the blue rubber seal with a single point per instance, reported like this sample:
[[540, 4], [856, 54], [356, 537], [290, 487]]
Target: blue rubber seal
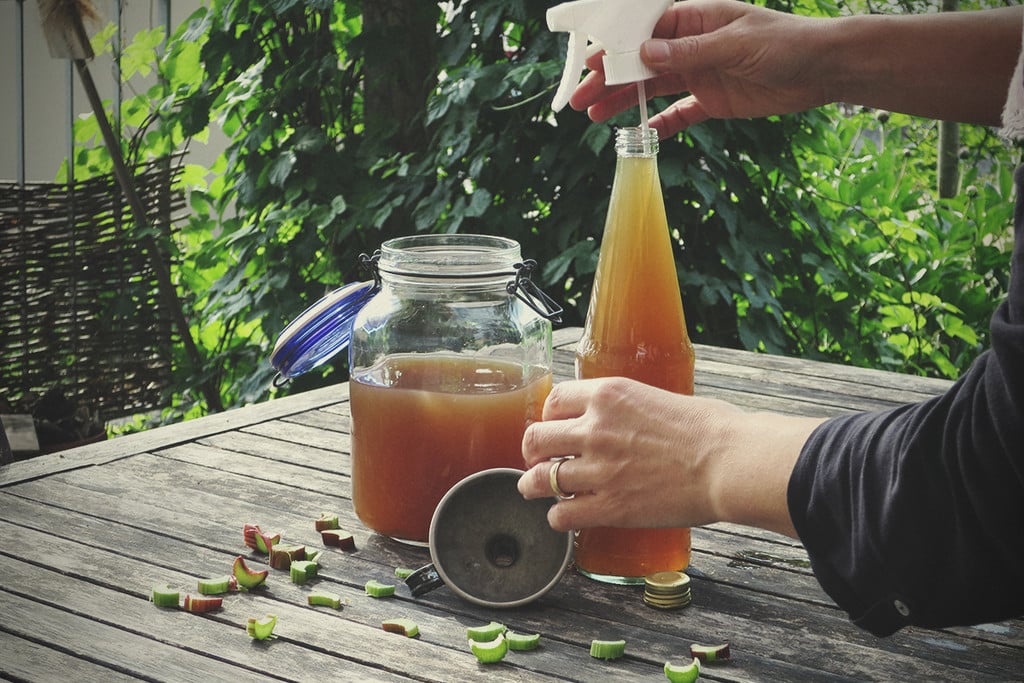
[[321, 332]]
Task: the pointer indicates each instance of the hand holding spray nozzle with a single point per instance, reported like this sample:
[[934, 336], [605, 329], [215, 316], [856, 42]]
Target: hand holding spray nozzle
[[617, 26]]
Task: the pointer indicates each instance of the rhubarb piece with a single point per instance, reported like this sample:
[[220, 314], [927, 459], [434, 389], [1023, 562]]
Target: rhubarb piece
[[607, 649], [491, 651], [249, 533], [483, 634], [324, 599], [710, 653], [376, 589], [327, 521], [261, 628], [338, 539], [406, 627], [282, 556], [165, 596], [195, 603], [264, 542], [247, 578], [302, 571], [522, 641], [403, 573], [683, 673], [313, 555], [218, 585]]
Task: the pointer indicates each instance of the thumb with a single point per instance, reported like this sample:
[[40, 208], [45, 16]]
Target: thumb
[[681, 55]]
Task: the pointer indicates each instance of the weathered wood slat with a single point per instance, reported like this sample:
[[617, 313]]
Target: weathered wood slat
[[604, 600]]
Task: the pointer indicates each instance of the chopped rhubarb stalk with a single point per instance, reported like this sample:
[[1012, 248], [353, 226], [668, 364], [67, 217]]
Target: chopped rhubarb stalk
[[249, 534], [710, 653], [403, 573], [522, 641], [376, 589], [490, 652], [217, 585], [302, 571], [247, 578], [683, 673], [607, 649], [195, 603], [264, 542], [327, 521], [338, 539], [324, 599], [313, 555], [406, 627], [165, 596], [482, 634], [282, 556], [261, 628]]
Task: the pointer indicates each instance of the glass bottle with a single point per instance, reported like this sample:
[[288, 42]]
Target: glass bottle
[[448, 365], [635, 328]]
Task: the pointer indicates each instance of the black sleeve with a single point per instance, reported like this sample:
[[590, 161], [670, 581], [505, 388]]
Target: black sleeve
[[916, 515]]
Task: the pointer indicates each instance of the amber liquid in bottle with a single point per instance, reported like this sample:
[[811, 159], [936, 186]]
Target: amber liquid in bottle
[[635, 328]]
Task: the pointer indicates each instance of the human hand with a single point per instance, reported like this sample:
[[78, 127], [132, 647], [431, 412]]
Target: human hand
[[645, 457], [733, 59]]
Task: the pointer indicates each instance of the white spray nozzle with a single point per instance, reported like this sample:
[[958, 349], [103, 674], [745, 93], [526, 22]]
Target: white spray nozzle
[[617, 26]]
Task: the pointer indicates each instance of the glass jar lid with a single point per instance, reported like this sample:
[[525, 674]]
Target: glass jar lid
[[320, 332]]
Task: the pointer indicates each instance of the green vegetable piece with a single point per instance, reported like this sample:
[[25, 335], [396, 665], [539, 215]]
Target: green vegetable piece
[[245, 577], [403, 573], [376, 589], [314, 555], [217, 585], [324, 599], [282, 556], [203, 603], [607, 649], [261, 628], [327, 521], [338, 539], [406, 627], [264, 542], [483, 634], [683, 673], [302, 571], [490, 652], [710, 653], [522, 641], [249, 532], [165, 596]]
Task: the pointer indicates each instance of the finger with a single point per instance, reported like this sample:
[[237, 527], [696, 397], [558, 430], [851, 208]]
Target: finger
[[567, 400], [678, 116], [536, 482]]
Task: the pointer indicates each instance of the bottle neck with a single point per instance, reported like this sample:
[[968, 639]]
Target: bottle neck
[[638, 142]]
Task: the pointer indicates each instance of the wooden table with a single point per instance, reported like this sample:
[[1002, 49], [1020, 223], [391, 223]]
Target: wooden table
[[87, 533]]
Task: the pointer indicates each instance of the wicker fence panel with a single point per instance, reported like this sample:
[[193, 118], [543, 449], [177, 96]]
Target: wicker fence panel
[[80, 309]]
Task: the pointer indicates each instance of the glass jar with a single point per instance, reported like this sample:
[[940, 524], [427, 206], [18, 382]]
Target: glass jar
[[635, 328], [449, 362]]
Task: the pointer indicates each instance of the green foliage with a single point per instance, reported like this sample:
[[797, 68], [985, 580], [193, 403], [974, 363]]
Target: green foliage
[[816, 234]]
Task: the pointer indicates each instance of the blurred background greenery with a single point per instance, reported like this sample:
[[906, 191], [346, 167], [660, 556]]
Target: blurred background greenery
[[822, 235]]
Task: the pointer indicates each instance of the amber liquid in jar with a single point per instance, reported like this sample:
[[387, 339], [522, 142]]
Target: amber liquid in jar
[[635, 328], [422, 424]]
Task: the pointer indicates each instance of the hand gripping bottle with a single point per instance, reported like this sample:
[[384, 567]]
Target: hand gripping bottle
[[618, 27]]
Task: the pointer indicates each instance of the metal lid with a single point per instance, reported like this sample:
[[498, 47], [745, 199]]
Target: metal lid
[[321, 332]]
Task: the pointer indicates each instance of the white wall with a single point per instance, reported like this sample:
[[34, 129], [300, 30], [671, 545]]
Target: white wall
[[46, 130]]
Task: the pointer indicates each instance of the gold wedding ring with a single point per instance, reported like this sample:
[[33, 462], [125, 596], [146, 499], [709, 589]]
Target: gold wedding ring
[[553, 480]]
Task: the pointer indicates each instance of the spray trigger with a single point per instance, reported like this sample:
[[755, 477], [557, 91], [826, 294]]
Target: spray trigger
[[618, 27]]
